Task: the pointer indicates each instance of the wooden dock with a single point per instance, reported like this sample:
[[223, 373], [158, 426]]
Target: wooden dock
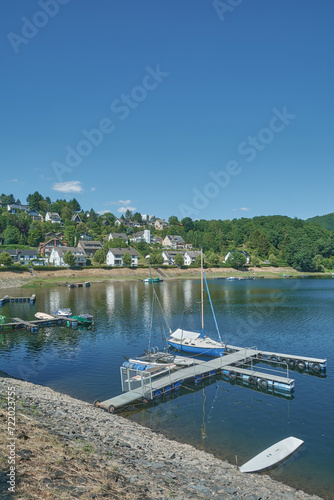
[[31, 300], [33, 325]]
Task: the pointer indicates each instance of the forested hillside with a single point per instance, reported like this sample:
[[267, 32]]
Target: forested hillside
[[326, 221], [280, 240]]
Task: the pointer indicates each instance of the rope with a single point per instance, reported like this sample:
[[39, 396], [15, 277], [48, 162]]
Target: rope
[[213, 312]]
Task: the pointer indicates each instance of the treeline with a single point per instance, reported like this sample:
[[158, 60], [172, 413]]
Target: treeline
[[280, 240]]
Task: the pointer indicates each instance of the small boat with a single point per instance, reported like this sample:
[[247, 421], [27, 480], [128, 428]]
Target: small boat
[[65, 313], [41, 315], [232, 278], [85, 319], [272, 455], [154, 280]]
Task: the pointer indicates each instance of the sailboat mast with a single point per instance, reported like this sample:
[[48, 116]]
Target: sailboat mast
[[202, 292]]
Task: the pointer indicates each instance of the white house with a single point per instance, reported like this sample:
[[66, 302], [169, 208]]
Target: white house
[[142, 236], [230, 252], [169, 257], [160, 224], [57, 256], [13, 208], [115, 256], [190, 257], [52, 217]]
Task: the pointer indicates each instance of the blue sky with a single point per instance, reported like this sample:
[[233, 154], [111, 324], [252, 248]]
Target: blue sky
[[202, 109]]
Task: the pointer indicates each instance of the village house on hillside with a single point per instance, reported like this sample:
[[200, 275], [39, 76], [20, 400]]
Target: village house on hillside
[[121, 236], [90, 247], [115, 256], [173, 241], [190, 256], [169, 257], [52, 217], [57, 256], [76, 218], [36, 216], [160, 224], [46, 246], [14, 208], [24, 257]]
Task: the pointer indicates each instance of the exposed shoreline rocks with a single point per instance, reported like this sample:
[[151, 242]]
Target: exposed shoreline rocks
[[132, 461]]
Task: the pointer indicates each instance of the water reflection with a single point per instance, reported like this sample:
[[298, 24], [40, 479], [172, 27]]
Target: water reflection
[[225, 419]]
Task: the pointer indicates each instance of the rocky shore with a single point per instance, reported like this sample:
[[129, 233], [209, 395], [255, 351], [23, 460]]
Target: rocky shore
[[66, 448]]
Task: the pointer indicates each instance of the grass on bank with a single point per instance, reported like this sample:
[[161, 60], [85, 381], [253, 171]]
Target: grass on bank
[[46, 466]]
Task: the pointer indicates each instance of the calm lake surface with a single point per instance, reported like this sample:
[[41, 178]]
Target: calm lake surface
[[293, 316]]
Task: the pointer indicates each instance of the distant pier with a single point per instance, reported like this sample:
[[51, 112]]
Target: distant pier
[[34, 325], [31, 300]]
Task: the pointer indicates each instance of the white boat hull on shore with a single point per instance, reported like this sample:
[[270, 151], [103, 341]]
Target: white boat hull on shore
[[272, 455]]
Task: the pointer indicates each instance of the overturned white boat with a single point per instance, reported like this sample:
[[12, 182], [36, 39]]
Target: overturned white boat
[[272, 455]]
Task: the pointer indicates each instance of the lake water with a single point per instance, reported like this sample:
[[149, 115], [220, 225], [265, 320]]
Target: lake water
[[293, 316]]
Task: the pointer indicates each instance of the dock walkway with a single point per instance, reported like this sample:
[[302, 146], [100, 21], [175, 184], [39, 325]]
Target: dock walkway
[[144, 386]]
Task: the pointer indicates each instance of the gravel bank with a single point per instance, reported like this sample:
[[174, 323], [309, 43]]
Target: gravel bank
[[138, 463]]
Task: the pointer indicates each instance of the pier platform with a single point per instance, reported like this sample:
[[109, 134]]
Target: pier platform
[[31, 300], [144, 385], [34, 325]]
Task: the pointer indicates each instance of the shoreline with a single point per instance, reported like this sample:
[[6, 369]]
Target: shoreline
[[99, 454], [16, 279]]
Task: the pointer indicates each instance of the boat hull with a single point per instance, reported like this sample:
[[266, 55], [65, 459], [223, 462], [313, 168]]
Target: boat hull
[[272, 455], [205, 351]]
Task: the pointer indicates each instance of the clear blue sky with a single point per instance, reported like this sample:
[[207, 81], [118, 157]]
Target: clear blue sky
[[209, 110]]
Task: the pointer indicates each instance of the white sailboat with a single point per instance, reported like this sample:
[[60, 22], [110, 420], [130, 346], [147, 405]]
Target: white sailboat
[[198, 343]]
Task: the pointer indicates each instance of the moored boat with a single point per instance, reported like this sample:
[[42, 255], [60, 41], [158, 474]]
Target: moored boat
[[41, 315], [83, 319], [197, 342], [64, 312]]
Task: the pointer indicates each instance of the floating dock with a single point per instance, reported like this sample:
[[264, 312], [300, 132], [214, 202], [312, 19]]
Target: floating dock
[[33, 325], [144, 385], [7, 298]]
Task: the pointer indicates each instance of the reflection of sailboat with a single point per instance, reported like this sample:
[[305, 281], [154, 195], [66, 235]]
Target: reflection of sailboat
[[155, 360], [197, 342]]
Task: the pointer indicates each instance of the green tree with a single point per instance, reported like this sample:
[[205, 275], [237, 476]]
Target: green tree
[[173, 220], [236, 260], [100, 256], [179, 260], [34, 200], [197, 262], [187, 223], [7, 199], [137, 218], [213, 260], [273, 259], [69, 258], [156, 259], [11, 235], [127, 259], [303, 261], [5, 259]]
